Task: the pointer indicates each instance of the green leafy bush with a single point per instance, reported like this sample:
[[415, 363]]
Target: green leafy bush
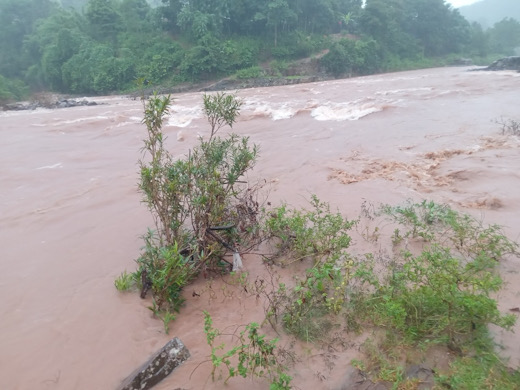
[[316, 233], [200, 205], [322, 236], [253, 355], [250, 73], [461, 232], [165, 270], [125, 281], [278, 67], [437, 296], [441, 293], [348, 56], [12, 90], [159, 61], [307, 308], [96, 69]]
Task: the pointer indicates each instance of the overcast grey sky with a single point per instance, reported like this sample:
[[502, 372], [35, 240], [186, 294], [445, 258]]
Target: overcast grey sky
[[460, 3]]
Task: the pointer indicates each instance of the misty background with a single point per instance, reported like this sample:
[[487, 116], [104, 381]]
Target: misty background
[[103, 46]]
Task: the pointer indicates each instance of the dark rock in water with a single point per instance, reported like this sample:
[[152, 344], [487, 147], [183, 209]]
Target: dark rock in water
[[65, 103], [158, 367], [507, 63]]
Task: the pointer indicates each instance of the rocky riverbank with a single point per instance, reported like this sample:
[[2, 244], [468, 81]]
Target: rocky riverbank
[[48, 103], [300, 72], [507, 63]]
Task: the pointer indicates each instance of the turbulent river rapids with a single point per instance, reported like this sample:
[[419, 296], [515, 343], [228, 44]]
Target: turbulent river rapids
[[71, 216]]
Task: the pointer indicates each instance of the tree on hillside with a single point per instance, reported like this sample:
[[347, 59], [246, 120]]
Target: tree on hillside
[[348, 11], [415, 27], [505, 36], [277, 15], [439, 29], [134, 16], [479, 41], [18, 18], [316, 16], [242, 19], [200, 17], [103, 19], [169, 11], [97, 69], [386, 21], [54, 42]]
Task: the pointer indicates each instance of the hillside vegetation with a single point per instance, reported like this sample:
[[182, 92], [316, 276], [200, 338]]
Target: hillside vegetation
[[104, 46]]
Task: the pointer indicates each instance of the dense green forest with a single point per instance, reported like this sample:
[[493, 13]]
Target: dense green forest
[[103, 46]]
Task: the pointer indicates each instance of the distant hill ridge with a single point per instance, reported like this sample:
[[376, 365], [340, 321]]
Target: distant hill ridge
[[488, 12]]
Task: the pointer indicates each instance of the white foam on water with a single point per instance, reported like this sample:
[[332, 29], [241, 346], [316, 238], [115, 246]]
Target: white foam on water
[[481, 72], [182, 116], [84, 119], [351, 111], [284, 112], [403, 91], [122, 124], [378, 79], [265, 109], [131, 121], [58, 165]]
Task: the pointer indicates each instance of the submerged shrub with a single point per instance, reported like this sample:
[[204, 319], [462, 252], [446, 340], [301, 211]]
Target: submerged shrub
[[252, 355], [443, 293], [315, 233], [201, 205]]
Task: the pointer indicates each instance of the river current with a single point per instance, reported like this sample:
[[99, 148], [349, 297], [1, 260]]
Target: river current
[[71, 217]]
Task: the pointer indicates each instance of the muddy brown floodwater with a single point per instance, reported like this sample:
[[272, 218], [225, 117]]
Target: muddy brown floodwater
[[71, 217]]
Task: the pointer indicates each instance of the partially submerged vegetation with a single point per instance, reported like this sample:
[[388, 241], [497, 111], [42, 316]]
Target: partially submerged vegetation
[[201, 205], [509, 126], [253, 355], [433, 290]]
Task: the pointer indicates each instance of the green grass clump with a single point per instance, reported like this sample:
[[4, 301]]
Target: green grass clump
[[479, 372], [125, 281]]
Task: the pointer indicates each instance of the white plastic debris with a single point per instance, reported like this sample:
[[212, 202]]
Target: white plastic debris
[[237, 261]]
